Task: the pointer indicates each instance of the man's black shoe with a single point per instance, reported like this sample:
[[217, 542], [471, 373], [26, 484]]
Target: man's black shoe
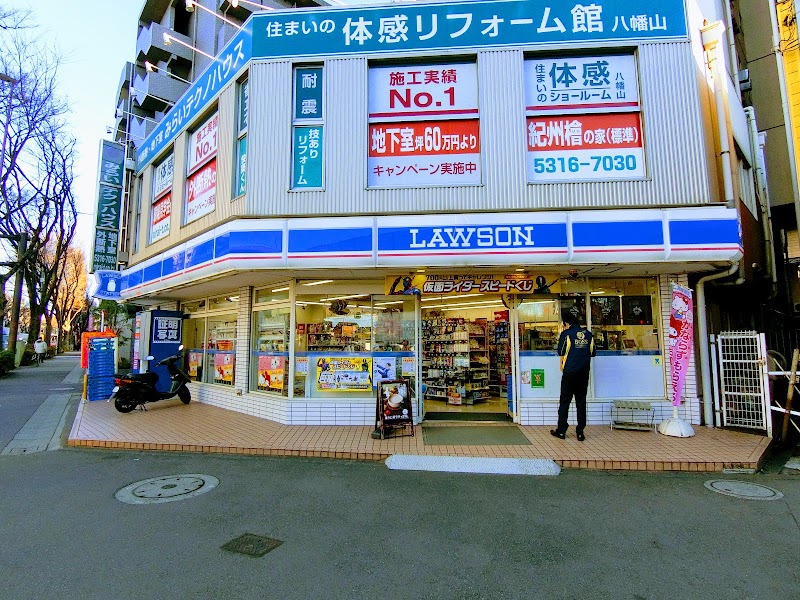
[[581, 437], [558, 434]]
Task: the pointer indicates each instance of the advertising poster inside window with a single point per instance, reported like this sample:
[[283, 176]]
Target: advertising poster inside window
[[241, 166], [160, 218], [162, 175], [223, 368], [424, 128], [202, 192], [335, 374], [271, 372]]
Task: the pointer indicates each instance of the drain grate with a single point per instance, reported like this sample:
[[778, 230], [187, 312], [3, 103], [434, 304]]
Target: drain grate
[[251, 544], [166, 489], [743, 490]]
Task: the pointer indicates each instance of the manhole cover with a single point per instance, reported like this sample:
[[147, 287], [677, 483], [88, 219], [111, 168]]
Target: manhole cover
[[743, 489], [166, 489], [252, 545]]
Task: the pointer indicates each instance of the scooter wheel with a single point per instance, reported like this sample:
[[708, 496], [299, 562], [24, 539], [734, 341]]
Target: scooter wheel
[[124, 405], [185, 395]]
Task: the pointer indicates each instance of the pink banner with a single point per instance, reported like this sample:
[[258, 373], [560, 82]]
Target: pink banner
[[681, 339]]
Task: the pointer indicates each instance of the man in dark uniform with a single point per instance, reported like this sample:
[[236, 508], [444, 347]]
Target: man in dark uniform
[[576, 348]]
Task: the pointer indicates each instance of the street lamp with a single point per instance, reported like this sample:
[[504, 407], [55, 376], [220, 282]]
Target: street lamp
[[168, 39], [190, 4], [150, 67]]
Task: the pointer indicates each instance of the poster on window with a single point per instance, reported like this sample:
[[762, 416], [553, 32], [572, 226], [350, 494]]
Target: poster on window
[[162, 175], [424, 153], [270, 372], [384, 367], [160, 218], [581, 83], [585, 147], [203, 142], [223, 368], [336, 374], [202, 192], [195, 360]]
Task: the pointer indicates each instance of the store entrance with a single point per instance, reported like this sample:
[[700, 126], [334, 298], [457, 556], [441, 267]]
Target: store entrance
[[466, 358]]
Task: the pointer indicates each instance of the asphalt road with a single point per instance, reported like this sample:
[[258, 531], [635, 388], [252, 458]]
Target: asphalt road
[[358, 530]]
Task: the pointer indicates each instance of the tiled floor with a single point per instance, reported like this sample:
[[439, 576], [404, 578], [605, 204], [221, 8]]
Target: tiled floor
[[199, 427]]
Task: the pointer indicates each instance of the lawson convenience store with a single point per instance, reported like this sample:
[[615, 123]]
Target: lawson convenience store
[[426, 189]]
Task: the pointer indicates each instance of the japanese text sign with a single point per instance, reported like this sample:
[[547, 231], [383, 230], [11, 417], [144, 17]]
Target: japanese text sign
[[203, 142], [341, 374], [160, 218], [104, 255], [424, 153], [474, 282], [225, 67], [108, 206], [244, 104], [202, 192], [241, 166], [307, 153], [112, 163], [594, 147], [423, 91], [308, 93], [166, 330], [587, 84], [443, 26], [162, 175]]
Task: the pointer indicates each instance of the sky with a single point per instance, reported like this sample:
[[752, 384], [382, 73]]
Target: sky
[[95, 39]]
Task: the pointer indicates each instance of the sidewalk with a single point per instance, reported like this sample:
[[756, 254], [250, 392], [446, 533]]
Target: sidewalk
[[171, 426]]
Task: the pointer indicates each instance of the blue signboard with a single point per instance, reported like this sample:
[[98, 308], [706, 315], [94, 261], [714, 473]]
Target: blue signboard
[[447, 26], [424, 27], [307, 157], [108, 285], [199, 96], [308, 93]]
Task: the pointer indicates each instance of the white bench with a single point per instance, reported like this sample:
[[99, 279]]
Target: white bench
[[623, 413]]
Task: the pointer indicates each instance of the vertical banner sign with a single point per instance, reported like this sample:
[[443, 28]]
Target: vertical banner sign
[[307, 153], [240, 185], [111, 176], [424, 128], [308, 93], [681, 339], [583, 119]]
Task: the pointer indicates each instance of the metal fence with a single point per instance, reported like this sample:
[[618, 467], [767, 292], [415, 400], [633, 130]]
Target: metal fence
[[743, 398]]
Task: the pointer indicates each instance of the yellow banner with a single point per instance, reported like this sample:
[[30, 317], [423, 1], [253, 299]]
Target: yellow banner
[[519, 283], [335, 374]]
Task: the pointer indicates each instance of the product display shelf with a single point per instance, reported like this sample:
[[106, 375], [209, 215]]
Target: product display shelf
[[502, 356], [271, 338], [477, 386], [445, 359]]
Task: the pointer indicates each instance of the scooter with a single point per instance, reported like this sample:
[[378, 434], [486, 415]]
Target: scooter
[[136, 389]]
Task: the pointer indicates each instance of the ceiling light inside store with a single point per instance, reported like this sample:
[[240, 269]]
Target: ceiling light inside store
[[344, 297], [440, 298], [484, 303], [283, 289], [318, 282], [598, 293]]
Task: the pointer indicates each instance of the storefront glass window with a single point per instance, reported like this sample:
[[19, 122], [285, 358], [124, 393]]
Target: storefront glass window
[[194, 335], [333, 347], [394, 350], [625, 314], [269, 370], [221, 350]]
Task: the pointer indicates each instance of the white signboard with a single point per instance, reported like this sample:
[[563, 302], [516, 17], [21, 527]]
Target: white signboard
[[594, 147], [162, 175], [423, 92], [203, 142], [424, 153], [582, 84], [202, 192], [160, 218]]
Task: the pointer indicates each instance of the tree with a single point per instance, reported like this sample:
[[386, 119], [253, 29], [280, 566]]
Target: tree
[[69, 298], [36, 174]]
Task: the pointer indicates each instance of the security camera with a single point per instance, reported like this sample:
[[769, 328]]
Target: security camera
[[573, 272]]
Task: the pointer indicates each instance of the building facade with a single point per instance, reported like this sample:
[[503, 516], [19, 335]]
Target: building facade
[[345, 196]]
